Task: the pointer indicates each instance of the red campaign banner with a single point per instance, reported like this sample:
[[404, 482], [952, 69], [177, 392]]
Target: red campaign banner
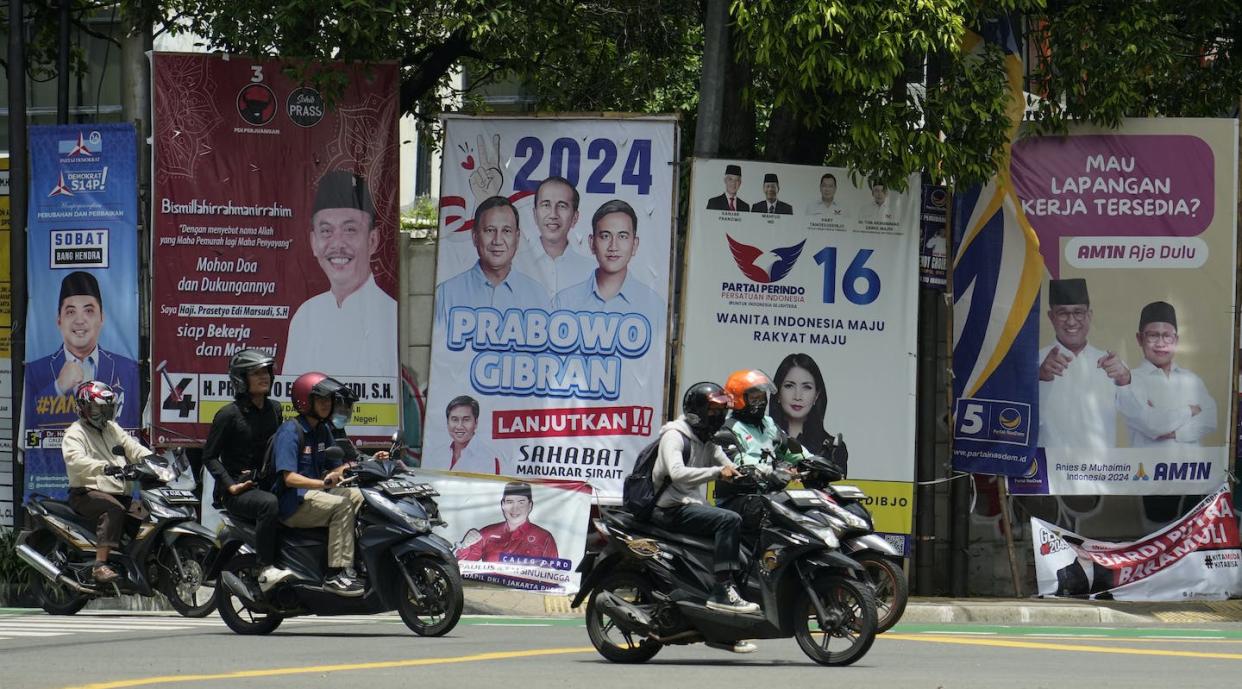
[[571, 422], [275, 222]]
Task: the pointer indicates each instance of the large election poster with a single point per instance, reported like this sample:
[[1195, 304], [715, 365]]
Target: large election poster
[[796, 271], [528, 535], [1137, 231], [275, 221], [82, 271], [6, 356], [1195, 557], [552, 293]]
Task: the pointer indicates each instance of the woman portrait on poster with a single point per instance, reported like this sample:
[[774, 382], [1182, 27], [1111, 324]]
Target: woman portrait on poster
[[800, 401]]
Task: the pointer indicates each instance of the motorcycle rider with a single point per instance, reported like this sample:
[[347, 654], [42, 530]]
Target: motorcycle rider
[[682, 506], [87, 449], [308, 493], [233, 453]]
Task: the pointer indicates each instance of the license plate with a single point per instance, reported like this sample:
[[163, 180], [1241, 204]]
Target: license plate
[[179, 496], [399, 488]]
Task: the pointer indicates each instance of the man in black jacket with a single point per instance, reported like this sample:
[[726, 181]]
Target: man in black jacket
[[234, 453]]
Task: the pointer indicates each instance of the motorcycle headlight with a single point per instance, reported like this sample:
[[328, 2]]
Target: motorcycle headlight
[[407, 511], [827, 536]]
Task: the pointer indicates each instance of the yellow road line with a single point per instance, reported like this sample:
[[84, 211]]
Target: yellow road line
[[1046, 646], [350, 667]]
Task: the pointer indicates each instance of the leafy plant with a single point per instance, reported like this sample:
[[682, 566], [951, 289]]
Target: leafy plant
[[16, 577]]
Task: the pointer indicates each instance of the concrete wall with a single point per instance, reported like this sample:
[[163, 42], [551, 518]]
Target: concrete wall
[[418, 286]]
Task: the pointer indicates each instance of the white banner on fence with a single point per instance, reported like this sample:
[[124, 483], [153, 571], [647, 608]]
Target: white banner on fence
[[1197, 557]]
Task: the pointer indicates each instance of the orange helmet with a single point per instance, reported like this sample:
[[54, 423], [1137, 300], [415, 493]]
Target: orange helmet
[[742, 382]]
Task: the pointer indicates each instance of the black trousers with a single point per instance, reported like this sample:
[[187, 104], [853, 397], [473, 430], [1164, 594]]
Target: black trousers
[[750, 509], [701, 520], [261, 507], [113, 514]]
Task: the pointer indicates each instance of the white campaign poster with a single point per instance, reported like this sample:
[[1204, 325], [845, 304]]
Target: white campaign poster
[[552, 292], [796, 271], [1196, 557], [526, 535]]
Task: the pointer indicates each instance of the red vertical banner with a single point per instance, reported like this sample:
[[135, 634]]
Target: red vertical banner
[[275, 224]]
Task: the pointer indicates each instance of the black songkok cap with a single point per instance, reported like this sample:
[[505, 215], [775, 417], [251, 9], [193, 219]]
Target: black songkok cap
[[733, 170], [79, 284], [517, 488], [343, 189], [1158, 312], [1067, 292], [770, 177]]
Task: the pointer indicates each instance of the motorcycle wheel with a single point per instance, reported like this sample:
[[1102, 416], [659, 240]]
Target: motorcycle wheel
[[56, 598], [612, 642], [185, 590], [442, 597], [892, 589], [233, 611], [850, 609]]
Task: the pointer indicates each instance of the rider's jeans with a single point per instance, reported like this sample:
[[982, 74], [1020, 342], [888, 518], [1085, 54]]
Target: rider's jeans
[[334, 508], [113, 513], [700, 520]]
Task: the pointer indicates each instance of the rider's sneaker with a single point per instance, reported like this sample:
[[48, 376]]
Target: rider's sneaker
[[735, 647], [343, 585], [104, 574], [726, 598], [272, 575]]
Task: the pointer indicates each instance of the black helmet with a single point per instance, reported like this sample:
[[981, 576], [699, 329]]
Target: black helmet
[[245, 361], [705, 406]]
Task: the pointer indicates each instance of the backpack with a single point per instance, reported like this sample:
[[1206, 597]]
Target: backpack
[[639, 494], [266, 476]]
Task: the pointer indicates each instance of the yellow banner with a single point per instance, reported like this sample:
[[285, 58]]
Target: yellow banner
[[891, 504], [365, 413]]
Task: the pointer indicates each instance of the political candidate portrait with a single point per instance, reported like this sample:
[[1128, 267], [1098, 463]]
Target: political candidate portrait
[[770, 203], [827, 203], [548, 255], [465, 453], [514, 536], [728, 201], [880, 209], [612, 287], [52, 380], [352, 327], [492, 281]]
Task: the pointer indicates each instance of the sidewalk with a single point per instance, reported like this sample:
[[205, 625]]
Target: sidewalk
[[487, 600]]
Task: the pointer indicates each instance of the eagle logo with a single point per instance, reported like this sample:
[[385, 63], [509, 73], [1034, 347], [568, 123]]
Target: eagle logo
[[764, 266]]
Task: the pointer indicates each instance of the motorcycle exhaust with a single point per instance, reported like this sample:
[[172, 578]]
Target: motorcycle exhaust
[[51, 572], [624, 615]]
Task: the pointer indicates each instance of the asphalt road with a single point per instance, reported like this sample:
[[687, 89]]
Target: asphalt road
[[115, 651]]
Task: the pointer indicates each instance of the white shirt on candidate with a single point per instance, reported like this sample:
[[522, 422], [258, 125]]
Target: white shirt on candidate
[[555, 274], [470, 288], [1078, 409], [356, 338], [477, 458], [1157, 404], [832, 210]]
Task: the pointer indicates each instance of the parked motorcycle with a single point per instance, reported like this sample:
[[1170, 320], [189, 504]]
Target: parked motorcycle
[[171, 552], [859, 540], [405, 567], [647, 587]]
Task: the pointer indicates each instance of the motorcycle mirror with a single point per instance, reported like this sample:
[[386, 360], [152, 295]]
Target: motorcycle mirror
[[118, 450], [348, 450], [794, 446], [724, 437], [334, 453]]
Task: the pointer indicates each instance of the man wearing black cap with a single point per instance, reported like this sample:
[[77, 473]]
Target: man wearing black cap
[[728, 201], [1166, 405], [54, 378], [770, 204], [516, 536], [1078, 384], [352, 326]]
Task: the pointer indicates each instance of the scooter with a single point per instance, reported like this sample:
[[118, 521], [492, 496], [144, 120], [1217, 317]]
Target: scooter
[[405, 567], [171, 552], [647, 587], [858, 538]]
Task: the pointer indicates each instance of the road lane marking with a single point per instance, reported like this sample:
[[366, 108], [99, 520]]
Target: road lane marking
[[1047, 646], [349, 667]]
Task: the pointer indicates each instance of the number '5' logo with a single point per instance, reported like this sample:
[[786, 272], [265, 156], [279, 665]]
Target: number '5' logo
[[972, 419]]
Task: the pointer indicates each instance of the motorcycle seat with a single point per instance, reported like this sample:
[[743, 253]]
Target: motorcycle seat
[[64, 511], [287, 534], [628, 522]]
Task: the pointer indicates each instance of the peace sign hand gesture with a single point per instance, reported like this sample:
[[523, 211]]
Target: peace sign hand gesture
[[487, 178]]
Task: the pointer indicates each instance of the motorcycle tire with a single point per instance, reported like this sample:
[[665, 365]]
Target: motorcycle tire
[[890, 586], [442, 597], [184, 588], [611, 642], [56, 598], [233, 611], [852, 619]]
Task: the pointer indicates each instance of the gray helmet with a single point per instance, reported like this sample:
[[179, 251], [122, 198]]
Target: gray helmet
[[245, 361]]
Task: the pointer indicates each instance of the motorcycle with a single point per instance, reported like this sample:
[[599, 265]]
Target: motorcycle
[[171, 551], [405, 567], [859, 541], [647, 587]]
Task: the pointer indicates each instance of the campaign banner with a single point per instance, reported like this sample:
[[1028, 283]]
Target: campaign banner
[[527, 535], [6, 355], [1137, 233], [552, 296], [275, 225], [82, 276], [796, 271], [933, 236], [1196, 557]]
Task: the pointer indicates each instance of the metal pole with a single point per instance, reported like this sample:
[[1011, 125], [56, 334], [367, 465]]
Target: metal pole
[[925, 499], [62, 65], [18, 184], [1002, 487]]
